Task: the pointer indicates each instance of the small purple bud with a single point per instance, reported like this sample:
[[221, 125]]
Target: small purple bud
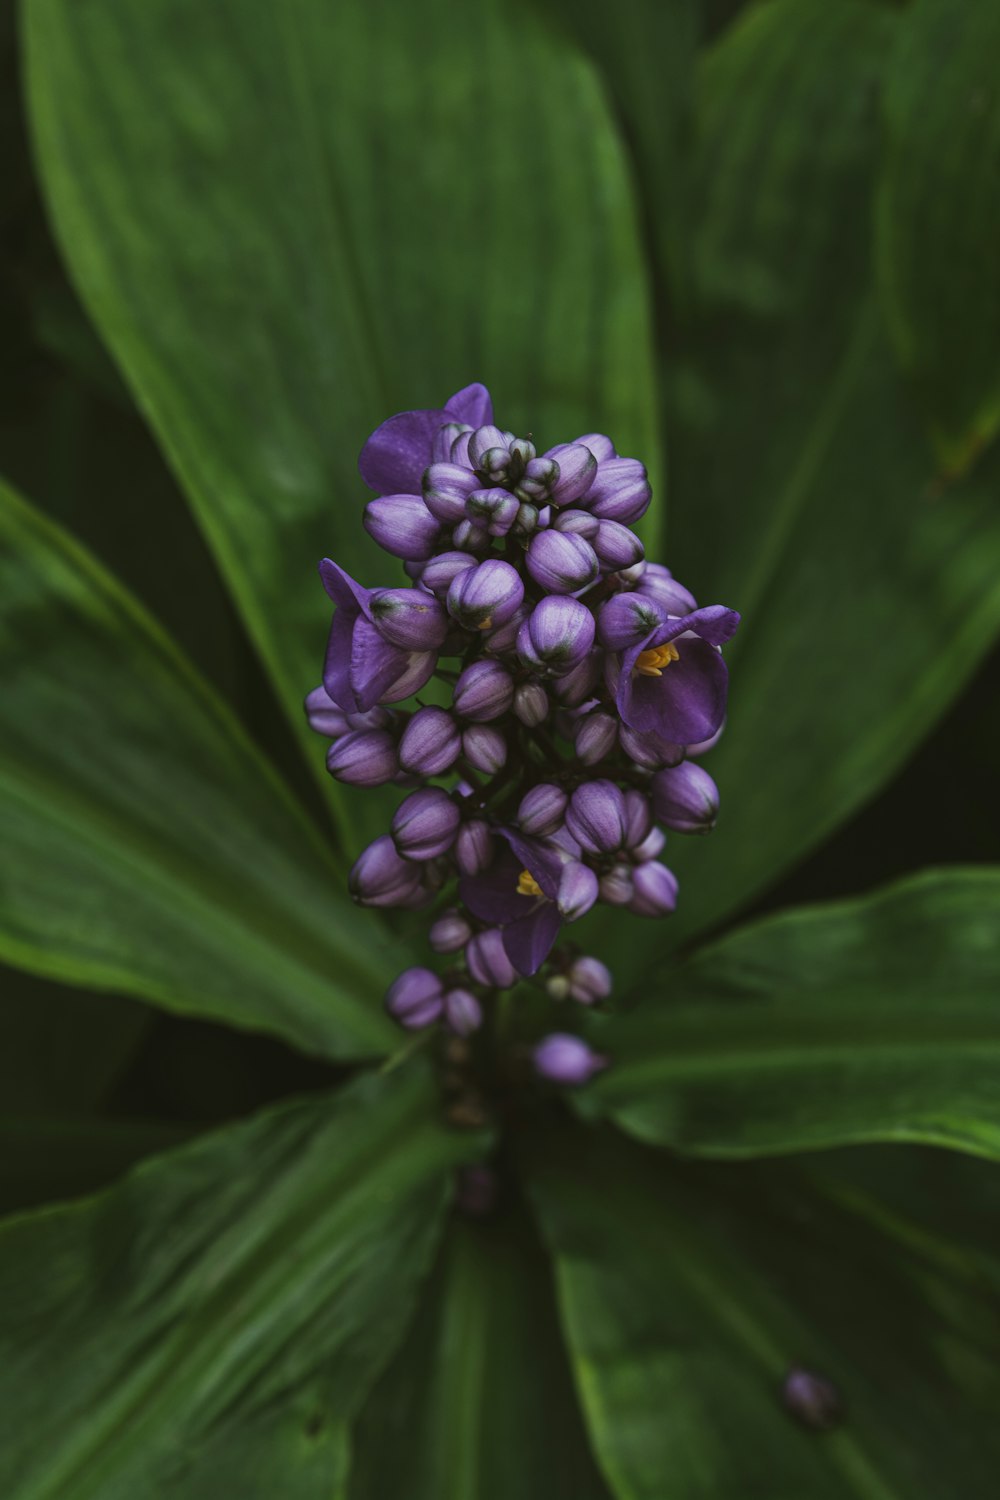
[[577, 685], [471, 536], [438, 574], [578, 890], [620, 492], [596, 817], [616, 546], [659, 584], [460, 448], [704, 746], [502, 640], [540, 474], [364, 757], [529, 519], [446, 488], [414, 999], [462, 1012], [589, 981], [474, 847], [496, 510], [577, 470], [488, 961], [596, 737], [578, 523], [484, 748], [323, 714], [616, 888], [483, 439], [648, 750], [531, 704], [381, 877], [476, 1191], [638, 817], [563, 1058], [402, 525], [686, 798], [561, 562], [444, 440], [812, 1399], [409, 618], [626, 619], [485, 596], [629, 577], [600, 446], [425, 825], [484, 691], [651, 847], [450, 932], [431, 742], [542, 810], [654, 890], [557, 634]]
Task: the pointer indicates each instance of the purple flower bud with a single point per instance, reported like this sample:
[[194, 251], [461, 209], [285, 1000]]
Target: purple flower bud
[[686, 798], [446, 488], [629, 577], [596, 817], [438, 574], [431, 742], [471, 536], [600, 446], [563, 1058], [364, 757], [616, 546], [616, 888], [485, 438], [638, 817], [474, 847], [648, 750], [488, 961], [402, 525], [460, 448], [485, 596], [557, 634], [659, 584], [596, 737], [410, 618], [561, 562], [704, 746], [323, 714], [652, 847], [462, 1012], [625, 619], [531, 703], [381, 877], [812, 1399], [620, 492], [542, 810], [496, 510], [589, 981], [485, 690], [476, 1191], [529, 519], [577, 522], [578, 890], [577, 685], [450, 932], [484, 748], [414, 999], [444, 440], [425, 825], [503, 639], [540, 474], [654, 890], [577, 469]]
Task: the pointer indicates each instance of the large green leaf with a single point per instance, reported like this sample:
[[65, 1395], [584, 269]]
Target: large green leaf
[[939, 218], [688, 1291], [290, 220], [144, 846], [873, 1019], [208, 1327], [478, 1404]]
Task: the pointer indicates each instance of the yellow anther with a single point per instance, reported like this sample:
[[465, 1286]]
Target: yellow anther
[[651, 663], [486, 624], [527, 885]]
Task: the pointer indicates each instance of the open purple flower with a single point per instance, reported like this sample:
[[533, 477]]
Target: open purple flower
[[395, 456], [518, 894], [362, 667], [673, 682]]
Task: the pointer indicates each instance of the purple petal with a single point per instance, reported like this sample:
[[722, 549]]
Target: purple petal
[[472, 404], [374, 664], [540, 861], [492, 895], [528, 941], [343, 590], [686, 704], [337, 667], [397, 453]]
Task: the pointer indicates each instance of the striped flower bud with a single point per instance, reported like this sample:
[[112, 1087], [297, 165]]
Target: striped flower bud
[[561, 562], [425, 825], [566, 1059], [431, 742], [485, 596], [402, 525], [484, 691], [364, 757], [414, 1000]]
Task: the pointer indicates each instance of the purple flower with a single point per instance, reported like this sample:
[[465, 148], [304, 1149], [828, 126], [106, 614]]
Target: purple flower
[[409, 618], [596, 817], [589, 981], [414, 999], [323, 714], [654, 890], [620, 491], [685, 798], [425, 825], [673, 682], [446, 488], [485, 690], [381, 877], [363, 757], [449, 933], [362, 668], [542, 809], [657, 582], [462, 1012], [596, 736], [497, 510], [488, 961], [431, 742], [625, 619], [484, 748], [561, 562], [397, 453], [485, 596], [518, 894], [616, 546], [402, 525], [531, 703], [578, 890], [556, 635], [438, 574], [474, 847], [566, 1059], [649, 750], [577, 468]]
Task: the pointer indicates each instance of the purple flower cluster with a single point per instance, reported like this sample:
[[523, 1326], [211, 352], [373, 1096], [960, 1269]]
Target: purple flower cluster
[[584, 681]]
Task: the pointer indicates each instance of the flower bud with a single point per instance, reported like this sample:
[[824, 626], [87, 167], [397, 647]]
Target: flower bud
[[444, 440], [485, 690], [648, 750], [438, 574], [414, 999], [542, 810], [402, 525], [450, 932], [600, 446], [381, 877], [485, 596], [528, 519], [471, 536], [460, 448], [652, 847], [431, 742], [488, 961], [474, 847], [686, 798], [364, 757], [659, 584], [462, 1012], [496, 510], [503, 639], [410, 618], [557, 634], [812, 1399], [654, 890], [596, 737], [577, 685], [563, 1058], [589, 981], [425, 825], [323, 714], [577, 469], [616, 546], [620, 491], [615, 886], [638, 817], [625, 619], [704, 746], [446, 488], [578, 890], [595, 817], [484, 748], [531, 703], [578, 523], [561, 562], [540, 474], [483, 439]]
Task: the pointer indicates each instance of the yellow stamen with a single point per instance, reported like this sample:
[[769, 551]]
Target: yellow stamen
[[651, 663], [527, 885], [486, 624]]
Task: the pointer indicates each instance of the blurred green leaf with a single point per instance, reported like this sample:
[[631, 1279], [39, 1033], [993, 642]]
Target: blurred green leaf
[[688, 1291], [209, 1326], [874, 1019], [939, 218], [478, 1403], [145, 847], [290, 221], [42, 1159]]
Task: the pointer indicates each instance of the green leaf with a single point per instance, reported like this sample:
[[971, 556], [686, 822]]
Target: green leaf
[[290, 221], [478, 1403], [42, 1159], [872, 1019], [939, 218], [145, 847], [211, 1325], [688, 1291]]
